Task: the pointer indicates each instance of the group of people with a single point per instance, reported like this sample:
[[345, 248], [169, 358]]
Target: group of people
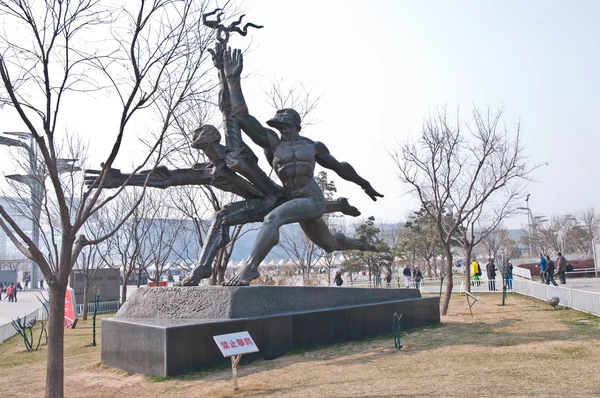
[[548, 268], [10, 291], [490, 269], [412, 274], [409, 273]]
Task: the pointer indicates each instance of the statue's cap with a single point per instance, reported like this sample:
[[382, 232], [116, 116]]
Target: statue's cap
[[286, 116]]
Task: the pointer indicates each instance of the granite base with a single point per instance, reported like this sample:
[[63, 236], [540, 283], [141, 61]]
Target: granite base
[[174, 346]]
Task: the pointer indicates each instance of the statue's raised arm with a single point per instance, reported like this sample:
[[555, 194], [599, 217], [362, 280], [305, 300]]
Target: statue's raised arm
[[233, 64]]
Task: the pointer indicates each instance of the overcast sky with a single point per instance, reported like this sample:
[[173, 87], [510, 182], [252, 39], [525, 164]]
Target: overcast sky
[[383, 65]]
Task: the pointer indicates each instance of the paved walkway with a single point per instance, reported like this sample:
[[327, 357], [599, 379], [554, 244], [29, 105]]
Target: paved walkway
[[585, 284], [27, 302]]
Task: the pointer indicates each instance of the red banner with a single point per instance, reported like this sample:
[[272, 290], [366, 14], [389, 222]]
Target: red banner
[[70, 309]]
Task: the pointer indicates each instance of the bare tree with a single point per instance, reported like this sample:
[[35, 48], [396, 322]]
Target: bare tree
[[481, 223], [87, 264], [296, 96], [461, 166], [301, 250], [121, 249], [496, 242], [151, 60], [591, 223], [421, 239]]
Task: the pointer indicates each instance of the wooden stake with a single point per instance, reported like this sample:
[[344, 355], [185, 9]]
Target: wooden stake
[[235, 359]]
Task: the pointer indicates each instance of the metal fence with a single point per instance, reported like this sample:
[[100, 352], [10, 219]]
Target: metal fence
[[429, 285], [571, 298], [106, 306]]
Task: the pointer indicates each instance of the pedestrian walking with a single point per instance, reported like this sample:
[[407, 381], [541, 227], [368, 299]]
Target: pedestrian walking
[[418, 277], [490, 269], [550, 271], [561, 263], [388, 277], [15, 289], [338, 278], [9, 293], [41, 282], [475, 272], [406, 273], [542, 266], [508, 272]]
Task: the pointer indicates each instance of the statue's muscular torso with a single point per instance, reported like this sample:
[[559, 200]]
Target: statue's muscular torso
[[294, 163]]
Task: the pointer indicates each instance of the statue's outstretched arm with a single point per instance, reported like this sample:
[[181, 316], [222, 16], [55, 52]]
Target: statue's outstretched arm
[[160, 177], [344, 170], [233, 64]]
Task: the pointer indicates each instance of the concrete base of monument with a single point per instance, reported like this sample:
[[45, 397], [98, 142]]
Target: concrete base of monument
[[169, 331]]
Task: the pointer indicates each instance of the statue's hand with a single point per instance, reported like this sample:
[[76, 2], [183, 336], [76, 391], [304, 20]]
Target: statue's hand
[[115, 178], [373, 194], [217, 55], [233, 63]]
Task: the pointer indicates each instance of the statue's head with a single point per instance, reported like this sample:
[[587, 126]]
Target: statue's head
[[284, 118], [204, 136]]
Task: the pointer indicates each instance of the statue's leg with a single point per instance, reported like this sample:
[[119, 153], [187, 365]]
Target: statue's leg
[[243, 212], [318, 232], [295, 210]]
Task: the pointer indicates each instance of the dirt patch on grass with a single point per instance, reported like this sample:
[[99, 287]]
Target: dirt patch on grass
[[521, 349]]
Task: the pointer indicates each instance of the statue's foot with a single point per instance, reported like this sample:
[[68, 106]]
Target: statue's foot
[[371, 248], [198, 273], [243, 277], [347, 209]]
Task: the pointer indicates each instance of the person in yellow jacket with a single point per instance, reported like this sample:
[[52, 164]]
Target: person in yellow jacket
[[475, 272]]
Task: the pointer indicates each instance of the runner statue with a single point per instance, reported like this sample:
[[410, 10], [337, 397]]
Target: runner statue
[[234, 168], [293, 158]]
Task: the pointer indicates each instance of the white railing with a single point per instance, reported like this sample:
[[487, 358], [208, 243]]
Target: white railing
[[7, 330], [431, 285], [571, 298], [105, 306], [522, 272]]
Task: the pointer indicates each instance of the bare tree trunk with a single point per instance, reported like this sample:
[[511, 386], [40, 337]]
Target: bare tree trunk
[[446, 302], [467, 266], [56, 333], [85, 298], [123, 291], [429, 268], [214, 280], [124, 287]]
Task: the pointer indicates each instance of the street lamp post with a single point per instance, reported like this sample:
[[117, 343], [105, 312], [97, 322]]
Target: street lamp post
[[530, 222], [34, 180], [34, 186]]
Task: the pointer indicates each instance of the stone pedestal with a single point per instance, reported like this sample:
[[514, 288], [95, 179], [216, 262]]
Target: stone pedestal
[[168, 331]]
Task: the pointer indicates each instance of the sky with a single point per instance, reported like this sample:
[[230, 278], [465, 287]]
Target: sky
[[383, 66]]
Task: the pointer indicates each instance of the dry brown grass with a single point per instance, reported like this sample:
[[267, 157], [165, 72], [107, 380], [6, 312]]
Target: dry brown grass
[[522, 349]]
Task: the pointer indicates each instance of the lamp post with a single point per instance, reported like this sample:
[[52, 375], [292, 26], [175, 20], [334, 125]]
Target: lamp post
[[530, 222], [34, 179], [34, 187]]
